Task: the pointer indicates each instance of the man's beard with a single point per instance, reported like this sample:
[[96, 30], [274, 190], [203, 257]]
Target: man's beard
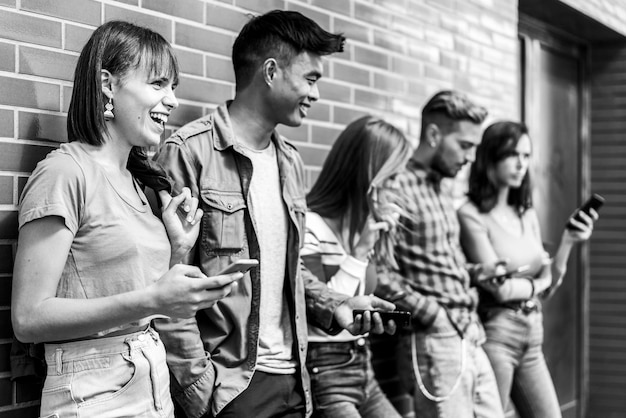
[[439, 166]]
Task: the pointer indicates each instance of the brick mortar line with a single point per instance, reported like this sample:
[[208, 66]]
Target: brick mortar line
[[29, 77], [33, 110], [25, 141]]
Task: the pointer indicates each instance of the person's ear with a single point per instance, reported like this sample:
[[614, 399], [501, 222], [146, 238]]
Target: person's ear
[[270, 68], [433, 135], [106, 78]]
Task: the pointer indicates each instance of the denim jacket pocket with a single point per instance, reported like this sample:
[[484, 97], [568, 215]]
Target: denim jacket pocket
[[223, 229]]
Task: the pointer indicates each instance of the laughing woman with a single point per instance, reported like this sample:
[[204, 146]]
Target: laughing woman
[[93, 264], [499, 222]]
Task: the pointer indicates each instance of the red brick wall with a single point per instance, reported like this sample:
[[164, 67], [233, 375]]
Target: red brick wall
[[399, 52]]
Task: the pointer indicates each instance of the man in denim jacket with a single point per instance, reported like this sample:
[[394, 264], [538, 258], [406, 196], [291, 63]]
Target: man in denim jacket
[[245, 356]]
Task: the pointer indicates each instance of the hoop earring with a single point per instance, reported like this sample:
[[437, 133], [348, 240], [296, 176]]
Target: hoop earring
[[108, 113]]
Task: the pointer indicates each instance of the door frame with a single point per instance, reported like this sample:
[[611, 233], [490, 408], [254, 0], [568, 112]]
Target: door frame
[[534, 34]]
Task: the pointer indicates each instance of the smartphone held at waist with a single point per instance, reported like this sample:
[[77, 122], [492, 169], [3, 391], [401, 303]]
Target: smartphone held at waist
[[401, 318]]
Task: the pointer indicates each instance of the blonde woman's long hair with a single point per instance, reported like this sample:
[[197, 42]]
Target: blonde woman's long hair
[[354, 181]]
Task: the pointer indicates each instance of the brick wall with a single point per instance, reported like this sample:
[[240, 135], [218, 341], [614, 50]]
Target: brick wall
[[399, 52]]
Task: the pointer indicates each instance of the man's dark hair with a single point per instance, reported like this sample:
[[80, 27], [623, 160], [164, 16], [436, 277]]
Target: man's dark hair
[[281, 35], [454, 106], [499, 142]]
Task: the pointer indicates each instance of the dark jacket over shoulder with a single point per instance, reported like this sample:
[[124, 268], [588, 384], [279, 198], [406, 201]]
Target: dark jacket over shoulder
[[212, 357]]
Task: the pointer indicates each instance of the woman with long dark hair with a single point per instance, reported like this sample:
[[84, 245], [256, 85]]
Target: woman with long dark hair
[[500, 223], [346, 233], [94, 265]]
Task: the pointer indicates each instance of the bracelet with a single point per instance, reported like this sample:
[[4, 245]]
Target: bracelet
[[532, 288]]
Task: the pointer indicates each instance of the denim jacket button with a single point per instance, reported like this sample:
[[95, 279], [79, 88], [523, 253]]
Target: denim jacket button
[[315, 370]]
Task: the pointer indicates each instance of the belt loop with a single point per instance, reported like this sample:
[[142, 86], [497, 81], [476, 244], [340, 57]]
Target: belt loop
[[58, 358], [132, 345]]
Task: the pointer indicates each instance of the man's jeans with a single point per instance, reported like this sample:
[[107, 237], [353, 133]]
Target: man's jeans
[[514, 340], [457, 379], [267, 396], [343, 383]]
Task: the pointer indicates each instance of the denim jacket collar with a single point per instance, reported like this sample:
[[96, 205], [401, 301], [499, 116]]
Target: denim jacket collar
[[225, 138]]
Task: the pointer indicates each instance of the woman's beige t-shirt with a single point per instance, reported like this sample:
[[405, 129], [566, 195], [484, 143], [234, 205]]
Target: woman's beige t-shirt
[[117, 246]]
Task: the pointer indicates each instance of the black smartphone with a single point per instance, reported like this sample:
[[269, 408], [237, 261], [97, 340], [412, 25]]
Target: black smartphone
[[242, 265], [594, 202], [401, 318]]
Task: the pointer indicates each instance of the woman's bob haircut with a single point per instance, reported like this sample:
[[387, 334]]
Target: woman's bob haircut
[[118, 47]]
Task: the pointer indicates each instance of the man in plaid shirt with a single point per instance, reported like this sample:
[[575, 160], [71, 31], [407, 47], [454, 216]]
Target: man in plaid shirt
[[441, 361]]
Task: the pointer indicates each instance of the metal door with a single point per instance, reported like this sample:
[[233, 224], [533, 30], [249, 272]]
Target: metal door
[[554, 103]]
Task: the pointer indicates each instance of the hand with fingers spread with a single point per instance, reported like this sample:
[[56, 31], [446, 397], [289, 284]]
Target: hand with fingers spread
[[184, 290], [181, 217]]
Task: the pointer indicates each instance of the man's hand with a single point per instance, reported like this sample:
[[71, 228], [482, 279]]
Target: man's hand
[[366, 322]]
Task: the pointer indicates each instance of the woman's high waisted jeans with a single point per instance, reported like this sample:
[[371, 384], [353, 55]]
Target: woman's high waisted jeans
[[343, 382], [121, 376], [514, 347]]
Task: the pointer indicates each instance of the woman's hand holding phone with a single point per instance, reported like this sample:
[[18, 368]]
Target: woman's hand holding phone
[[184, 290], [490, 271], [365, 322], [492, 278], [580, 225]]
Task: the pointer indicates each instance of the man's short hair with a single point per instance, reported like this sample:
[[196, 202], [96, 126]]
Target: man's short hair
[[281, 35], [454, 106]]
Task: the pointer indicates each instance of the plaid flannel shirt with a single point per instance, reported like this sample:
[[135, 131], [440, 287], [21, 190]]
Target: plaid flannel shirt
[[432, 270]]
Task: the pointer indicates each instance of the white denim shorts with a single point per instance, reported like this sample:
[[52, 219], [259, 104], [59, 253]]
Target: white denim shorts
[[121, 376]]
